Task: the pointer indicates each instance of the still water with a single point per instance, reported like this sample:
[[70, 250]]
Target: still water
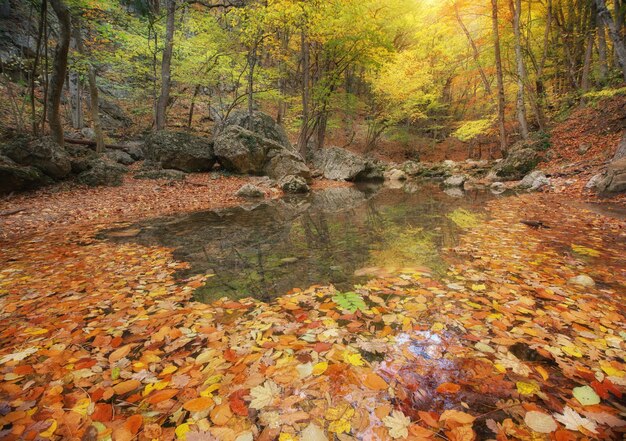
[[339, 236]]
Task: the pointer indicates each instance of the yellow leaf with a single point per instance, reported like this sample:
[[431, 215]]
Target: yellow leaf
[[573, 351], [527, 388], [479, 287], [286, 437], [542, 372], [320, 368], [50, 430], [81, 406], [353, 358], [181, 431], [436, 327]]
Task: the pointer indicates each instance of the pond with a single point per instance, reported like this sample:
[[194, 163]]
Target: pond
[[338, 236]]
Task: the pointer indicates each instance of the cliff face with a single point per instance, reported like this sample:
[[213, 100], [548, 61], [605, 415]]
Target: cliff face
[[18, 32]]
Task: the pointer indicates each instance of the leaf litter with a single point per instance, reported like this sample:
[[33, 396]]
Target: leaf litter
[[100, 341]]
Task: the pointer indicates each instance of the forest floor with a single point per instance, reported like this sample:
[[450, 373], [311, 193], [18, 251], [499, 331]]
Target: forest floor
[[99, 340]]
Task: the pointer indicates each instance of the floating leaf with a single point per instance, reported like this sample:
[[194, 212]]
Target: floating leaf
[[586, 395], [540, 422]]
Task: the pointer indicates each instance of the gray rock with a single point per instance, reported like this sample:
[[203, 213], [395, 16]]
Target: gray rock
[[120, 156], [411, 168], [44, 154], [449, 163], [262, 124], [517, 164], [250, 191], [343, 165], [584, 148], [134, 149], [455, 192], [582, 280], [594, 181], [614, 180], [293, 184], [242, 151], [455, 181], [534, 180], [497, 187], [112, 116], [395, 174], [180, 151], [15, 177], [102, 172], [169, 174], [88, 133]]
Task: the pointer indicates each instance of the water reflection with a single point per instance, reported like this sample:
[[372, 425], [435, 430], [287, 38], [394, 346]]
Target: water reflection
[[268, 248]]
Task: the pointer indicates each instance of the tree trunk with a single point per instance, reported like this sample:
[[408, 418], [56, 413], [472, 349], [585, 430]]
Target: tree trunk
[[621, 149], [76, 99], [306, 73], [499, 74], [59, 69], [252, 60], [475, 52], [602, 50], [584, 82], [516, 10], [5, 8], [93, 91], [166, 67], [33, 74], [618, 43]]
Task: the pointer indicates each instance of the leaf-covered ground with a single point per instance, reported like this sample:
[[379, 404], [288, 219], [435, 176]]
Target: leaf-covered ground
[[98, 341]]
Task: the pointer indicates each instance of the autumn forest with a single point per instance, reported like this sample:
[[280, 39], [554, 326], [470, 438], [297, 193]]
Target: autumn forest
[[312, 220]]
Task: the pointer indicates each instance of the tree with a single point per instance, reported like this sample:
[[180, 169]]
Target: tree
[[618, 42], [59, 69], [516, 10], [499, 75], [166, 67]]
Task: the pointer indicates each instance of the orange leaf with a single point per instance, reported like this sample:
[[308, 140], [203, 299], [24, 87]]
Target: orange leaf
[[198, 404], [161, 395], [375, 382], [221, 414], [102, 412], [120, 353], [448, 388], [133, 423], [126, 386]]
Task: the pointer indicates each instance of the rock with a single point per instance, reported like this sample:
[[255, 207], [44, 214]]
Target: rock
[[262, 124], [449, 163], [80, 157], [582, 280], [534, 180], [584, 148], [594, 181], [455, 181], [517, 164], [343, 165], [102, 172], [15, 177], [119, 156], [614, 180], [454, 192], [169, 174], [293, 184], [250, 191], [112, 116], [411, 168], [180, 151], [497, 187], [395, 175], [43, 154], [88, 133], [242, 151], [134, 149]]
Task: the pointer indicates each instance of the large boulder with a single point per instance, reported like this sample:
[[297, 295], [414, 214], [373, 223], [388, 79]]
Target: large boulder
[[262, 124], [293, 184], [455, 181], [516, 165], [112, 116], [242, 151], [343, 165], [102, 172], [534, 180], [250, 191], [180, 151], [43, 154], [614, 180], [169, 174], [120, 156], [15, 177]]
